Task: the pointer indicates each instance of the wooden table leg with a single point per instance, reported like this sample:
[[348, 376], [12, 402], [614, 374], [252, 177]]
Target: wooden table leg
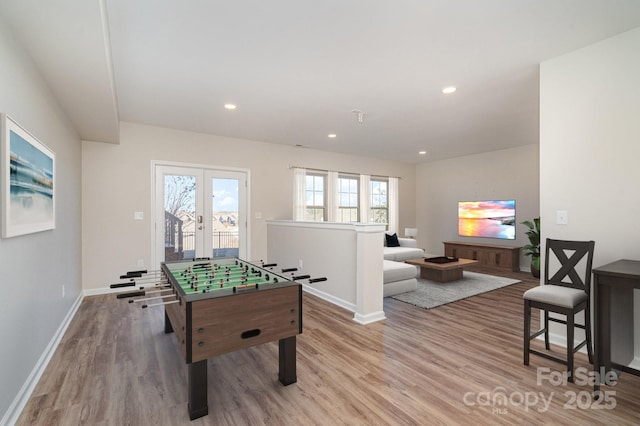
[[198, 389], [287, 360], [168, 328]]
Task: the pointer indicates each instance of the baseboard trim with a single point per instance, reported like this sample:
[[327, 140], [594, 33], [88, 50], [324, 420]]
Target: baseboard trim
[[19, 402], [369, 318], [329, 298], [351, 307], [561, 340]]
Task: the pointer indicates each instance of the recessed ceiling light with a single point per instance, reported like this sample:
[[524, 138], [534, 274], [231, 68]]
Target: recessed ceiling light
[[422, 152], [230, 106], [448, 90], [332, 135]]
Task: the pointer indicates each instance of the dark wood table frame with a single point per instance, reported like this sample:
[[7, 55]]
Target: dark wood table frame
[[248, 318], [613, 286], [197, 377]]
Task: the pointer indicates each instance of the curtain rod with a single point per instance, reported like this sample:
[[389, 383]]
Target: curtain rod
[[338, 171]]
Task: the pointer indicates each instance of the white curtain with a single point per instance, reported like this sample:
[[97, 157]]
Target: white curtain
[[365, 198], [393, 205], [332, 197], [299, 193]]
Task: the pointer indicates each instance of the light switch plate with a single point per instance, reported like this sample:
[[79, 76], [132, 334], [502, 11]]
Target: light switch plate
[[562, 217]]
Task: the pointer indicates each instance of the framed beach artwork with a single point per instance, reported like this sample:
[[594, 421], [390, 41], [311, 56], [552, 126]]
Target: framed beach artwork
[[28, 182]]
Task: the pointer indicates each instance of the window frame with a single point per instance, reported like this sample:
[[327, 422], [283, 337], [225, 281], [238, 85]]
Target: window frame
[[373, 207], [341, 209], [310, 210]]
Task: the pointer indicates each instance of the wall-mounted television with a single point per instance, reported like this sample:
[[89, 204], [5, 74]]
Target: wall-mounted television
[[490, 219]]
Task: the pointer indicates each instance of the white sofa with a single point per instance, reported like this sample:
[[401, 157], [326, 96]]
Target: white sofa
[[408, 250], [400, 277]]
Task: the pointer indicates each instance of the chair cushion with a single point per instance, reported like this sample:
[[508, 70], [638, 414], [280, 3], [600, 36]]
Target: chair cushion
[[556, 295]]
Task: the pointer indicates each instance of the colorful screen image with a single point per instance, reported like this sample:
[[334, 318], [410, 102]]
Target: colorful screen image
[[491, 219]]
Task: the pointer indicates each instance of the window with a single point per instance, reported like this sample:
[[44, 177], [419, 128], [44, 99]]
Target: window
[[379, 201], [332, 196], [315, 197], [348, 200]]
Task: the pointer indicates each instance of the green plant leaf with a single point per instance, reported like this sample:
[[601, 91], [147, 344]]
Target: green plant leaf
[[535, 262], [528, 224], [533, 248]]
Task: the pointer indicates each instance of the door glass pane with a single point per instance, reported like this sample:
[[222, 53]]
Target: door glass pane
[[225, 217], [179, 217]]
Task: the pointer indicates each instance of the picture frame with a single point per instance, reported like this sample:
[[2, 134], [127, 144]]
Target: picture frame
[[27, 177]]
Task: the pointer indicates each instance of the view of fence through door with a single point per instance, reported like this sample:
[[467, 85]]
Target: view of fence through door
[[201, 213], [225, 217]]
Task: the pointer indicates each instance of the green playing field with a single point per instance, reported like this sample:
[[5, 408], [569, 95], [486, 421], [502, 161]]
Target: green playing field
[[211, 276]]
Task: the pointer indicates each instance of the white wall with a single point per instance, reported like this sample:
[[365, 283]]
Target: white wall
[[33, 268], [590, 146], [498, 175], [348, 255], [116, 181]]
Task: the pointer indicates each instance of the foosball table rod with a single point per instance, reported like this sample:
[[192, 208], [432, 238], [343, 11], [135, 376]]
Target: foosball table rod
[[160, 304], [154, 277], [152, 298], [144, 280], [130, 294], [267, 265], [308, 277], [160, 289], [140, 274], [141, 292], [135, 283]]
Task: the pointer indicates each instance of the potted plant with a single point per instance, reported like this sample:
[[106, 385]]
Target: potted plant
[[533, 248]]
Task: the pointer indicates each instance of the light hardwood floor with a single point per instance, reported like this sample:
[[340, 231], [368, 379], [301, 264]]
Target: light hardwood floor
[[446, 365]]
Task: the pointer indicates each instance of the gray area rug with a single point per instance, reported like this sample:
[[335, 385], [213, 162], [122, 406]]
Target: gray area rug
[[431, 294]]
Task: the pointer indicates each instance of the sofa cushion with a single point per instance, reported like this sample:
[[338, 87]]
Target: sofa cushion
[[400, 254], [408, 242], [397, 287], [397, 271], [392, 240]]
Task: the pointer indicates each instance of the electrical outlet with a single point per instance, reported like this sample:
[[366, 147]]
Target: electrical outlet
[[140, 263], [300, 263], [63, 292]]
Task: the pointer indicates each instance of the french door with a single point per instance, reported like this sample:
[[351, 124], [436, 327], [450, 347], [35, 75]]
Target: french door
[[199, 212]]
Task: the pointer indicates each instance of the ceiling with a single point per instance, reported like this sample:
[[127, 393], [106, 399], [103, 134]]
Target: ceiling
[[298, 69]]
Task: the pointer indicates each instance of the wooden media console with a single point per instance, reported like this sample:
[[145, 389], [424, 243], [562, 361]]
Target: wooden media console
[[503, 258]]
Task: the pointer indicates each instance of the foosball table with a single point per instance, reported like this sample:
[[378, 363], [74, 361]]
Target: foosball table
[[223, 305]]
